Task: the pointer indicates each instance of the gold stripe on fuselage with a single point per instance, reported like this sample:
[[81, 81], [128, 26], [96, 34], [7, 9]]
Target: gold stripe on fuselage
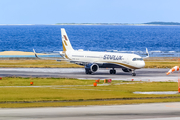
[[121, 64], [67, 56]]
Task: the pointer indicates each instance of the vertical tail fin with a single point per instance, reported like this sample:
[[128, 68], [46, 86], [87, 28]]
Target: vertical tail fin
[[147, 54], [65, 41]]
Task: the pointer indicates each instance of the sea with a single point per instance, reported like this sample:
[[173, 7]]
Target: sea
[[161, 41]]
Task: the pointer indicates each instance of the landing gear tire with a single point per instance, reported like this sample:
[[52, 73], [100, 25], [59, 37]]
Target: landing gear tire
[[133, 74], [112, 71]]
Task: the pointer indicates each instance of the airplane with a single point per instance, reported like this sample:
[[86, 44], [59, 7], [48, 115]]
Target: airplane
[[93, 60]]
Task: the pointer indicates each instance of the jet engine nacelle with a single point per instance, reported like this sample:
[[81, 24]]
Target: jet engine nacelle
[[126, 70], [91, 67]]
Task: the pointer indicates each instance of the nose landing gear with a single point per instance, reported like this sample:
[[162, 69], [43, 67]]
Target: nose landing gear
[[133, 73], [112, 71]]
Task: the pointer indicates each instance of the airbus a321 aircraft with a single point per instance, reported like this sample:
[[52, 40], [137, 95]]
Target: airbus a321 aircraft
[[95, 60]]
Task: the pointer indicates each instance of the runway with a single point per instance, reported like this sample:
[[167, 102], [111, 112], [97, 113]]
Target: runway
[[152, 111], [79, 73]]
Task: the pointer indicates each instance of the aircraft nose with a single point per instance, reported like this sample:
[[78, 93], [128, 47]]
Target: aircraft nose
[[142, 64]]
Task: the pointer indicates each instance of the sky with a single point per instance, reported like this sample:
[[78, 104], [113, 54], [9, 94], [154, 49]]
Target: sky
[[88, 11]]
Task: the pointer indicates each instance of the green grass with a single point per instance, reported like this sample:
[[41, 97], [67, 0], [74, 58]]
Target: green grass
[[25, 63], [57, 90], [161, 64], [81, 103]]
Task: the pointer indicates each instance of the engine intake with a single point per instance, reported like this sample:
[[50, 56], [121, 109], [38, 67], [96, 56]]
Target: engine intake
[[91, 67]]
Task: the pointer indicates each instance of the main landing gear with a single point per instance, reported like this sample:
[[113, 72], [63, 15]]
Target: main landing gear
[[88, 72], [133, 73], [112, 71]]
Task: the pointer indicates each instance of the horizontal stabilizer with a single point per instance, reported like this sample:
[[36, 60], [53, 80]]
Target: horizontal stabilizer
[[48, 58]]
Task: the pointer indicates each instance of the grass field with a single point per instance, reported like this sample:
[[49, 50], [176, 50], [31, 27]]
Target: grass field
[[161, 64], [26, 63], [17, 92], [37, 63]]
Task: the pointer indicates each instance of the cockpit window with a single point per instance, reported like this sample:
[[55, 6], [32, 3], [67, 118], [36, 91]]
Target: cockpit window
[[137, 59]]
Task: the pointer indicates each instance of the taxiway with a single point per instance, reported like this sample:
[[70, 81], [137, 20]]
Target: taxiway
[[152, 111], [79, 73]]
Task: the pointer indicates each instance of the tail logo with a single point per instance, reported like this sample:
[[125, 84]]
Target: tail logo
[[65, 38]]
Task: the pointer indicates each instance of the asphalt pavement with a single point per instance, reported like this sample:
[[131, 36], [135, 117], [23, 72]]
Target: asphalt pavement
[[79, 73], [151, 111]]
